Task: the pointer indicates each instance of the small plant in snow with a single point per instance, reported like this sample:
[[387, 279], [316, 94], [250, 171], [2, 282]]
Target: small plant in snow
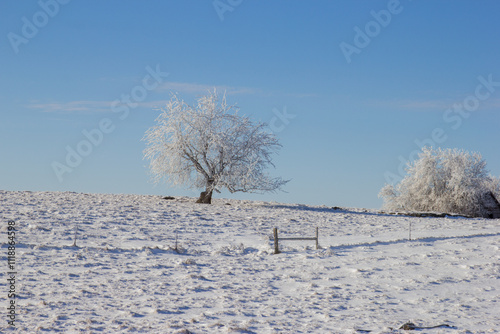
[[210, 146], [76, 233], [449, 180], [189, 262]]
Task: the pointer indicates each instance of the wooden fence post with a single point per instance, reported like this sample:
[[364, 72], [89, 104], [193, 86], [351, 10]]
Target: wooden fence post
[[317, 238], [276, 239], [276, 246]]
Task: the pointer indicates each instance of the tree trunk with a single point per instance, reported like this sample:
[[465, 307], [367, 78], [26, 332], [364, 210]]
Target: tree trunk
[[206, 196]]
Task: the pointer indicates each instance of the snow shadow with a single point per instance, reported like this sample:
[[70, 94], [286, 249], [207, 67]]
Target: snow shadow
[[405, 240]]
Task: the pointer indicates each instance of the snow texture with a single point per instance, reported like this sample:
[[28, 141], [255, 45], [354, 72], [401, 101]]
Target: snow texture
[[125, 276]]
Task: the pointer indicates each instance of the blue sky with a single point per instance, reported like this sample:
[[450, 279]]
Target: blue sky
[[366, 81]]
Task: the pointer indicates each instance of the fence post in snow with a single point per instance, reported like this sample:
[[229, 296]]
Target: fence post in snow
[[176, 249], [276, 246], [317, 238], [76, 232], [276, 242]]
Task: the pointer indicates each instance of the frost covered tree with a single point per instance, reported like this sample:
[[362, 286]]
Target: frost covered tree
[[450, 180], [210, 146]]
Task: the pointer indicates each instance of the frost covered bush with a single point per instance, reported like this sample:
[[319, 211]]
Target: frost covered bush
[[449, 180]]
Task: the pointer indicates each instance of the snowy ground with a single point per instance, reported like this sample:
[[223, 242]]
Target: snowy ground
[[123, 276]]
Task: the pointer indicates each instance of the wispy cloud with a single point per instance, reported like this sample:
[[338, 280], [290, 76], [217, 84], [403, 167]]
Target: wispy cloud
[[93, 106], [195, 88], [153, 104], [424, 105], [494, 103], [88, 106], [73, 106], [430, 105], [302, 95]]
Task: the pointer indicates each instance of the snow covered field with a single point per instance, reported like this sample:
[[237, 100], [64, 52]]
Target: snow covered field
[[124, 276]]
